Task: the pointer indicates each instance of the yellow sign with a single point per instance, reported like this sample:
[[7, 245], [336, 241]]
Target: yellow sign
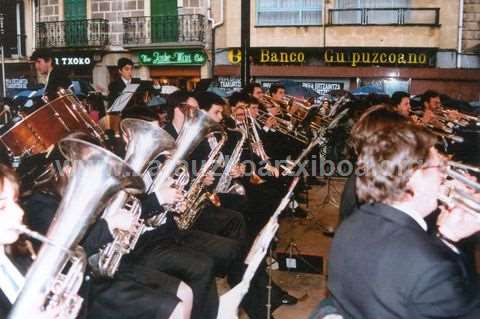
[[267, 56], [235, 56], [374, 58]]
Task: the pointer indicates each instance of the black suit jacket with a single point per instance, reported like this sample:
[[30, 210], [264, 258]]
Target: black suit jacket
[[58, 79], [384, 265]]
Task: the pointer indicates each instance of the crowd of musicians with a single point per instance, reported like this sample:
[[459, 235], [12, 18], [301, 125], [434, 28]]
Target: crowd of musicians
[[164, 204]]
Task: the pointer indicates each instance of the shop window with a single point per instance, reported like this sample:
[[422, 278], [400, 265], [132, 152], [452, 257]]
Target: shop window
[[386, 85], [288, 12]]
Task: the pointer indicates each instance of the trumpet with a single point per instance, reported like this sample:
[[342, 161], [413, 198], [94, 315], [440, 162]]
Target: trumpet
[[458, 196]]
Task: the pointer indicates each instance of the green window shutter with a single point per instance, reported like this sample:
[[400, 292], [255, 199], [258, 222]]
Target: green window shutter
[[164, 21], [76, 27]]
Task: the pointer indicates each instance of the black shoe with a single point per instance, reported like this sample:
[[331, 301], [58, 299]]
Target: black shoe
[[288, 299]]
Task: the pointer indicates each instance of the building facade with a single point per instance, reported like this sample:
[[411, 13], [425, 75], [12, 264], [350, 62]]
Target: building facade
[[168, 40], [409, 45]]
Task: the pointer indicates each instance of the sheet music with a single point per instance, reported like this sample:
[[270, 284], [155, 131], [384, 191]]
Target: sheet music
[[122, 100]]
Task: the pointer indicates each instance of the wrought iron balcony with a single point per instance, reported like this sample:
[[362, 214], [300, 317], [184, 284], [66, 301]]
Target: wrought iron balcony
[[76, 33], [188, 28], [385, 16]]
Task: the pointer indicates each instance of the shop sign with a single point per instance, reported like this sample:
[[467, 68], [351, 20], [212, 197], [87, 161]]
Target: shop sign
[[321, 87], [16, 83], [172, 57], [379, 56], [227, 82], [74, 60]]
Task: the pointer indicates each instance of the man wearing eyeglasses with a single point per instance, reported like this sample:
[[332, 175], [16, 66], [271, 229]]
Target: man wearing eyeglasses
[[383, 262]]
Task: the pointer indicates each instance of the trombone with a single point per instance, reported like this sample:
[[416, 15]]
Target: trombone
[[283, 126], [459, 196]]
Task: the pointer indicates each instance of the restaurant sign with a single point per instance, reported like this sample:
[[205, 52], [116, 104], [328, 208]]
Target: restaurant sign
[[172, 57], [73, 60]]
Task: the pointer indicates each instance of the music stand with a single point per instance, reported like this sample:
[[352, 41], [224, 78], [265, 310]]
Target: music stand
[[122, 100]]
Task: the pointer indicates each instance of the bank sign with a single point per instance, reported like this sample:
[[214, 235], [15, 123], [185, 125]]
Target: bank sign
[[172, 57], [399, 57]]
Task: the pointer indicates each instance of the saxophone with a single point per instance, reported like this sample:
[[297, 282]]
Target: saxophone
[[225, 182], [196, 196]]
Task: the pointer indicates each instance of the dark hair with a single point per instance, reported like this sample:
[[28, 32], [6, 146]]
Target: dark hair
[[237, 97], [43, 53], [376, 118], [140, 112], [175, 100], [388, 160], [397, 98], [253, 100], [428, 95], [207, 99], [123, 62], [249, 88], [275, 87]]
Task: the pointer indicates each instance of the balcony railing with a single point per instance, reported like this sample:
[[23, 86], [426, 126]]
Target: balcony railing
[[385, 16], [75, 33], [164, 29]]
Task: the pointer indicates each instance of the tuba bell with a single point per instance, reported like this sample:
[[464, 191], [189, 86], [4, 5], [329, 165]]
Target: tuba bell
[[96, 176], [145, 142]]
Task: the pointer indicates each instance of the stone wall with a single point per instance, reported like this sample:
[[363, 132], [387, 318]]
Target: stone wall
[[114, 11], [50, 10], [471, 24]]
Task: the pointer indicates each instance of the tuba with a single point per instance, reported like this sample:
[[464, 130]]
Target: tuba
[[145, 141], [97, 175]]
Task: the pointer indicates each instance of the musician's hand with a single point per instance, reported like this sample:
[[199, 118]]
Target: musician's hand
[[208, 179], [272, 169], [456, 223], [167, 195], [428, 117], [119, 221], [238, 171], [271, 122]]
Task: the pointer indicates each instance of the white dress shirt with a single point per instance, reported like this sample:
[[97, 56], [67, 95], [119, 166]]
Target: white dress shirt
[[11, 280]]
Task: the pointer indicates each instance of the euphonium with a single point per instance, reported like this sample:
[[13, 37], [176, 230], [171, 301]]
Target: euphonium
[[96, 176], [145, 141], [65, 301], [196, 196], [195, 128], [224, 184]]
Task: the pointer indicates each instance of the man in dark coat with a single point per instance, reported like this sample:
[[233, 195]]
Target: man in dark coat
[[383, 262], [57, 78]]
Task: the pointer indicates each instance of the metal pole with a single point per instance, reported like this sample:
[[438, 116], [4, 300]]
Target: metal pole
[[245, 42], [4, 89]]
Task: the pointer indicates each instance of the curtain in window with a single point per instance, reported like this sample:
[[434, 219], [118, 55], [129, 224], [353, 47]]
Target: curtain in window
[[289, 12], [373, 16]]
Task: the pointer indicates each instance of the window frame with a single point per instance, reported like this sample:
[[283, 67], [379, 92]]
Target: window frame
[[299, 11]]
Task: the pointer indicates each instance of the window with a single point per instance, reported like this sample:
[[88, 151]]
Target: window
[[289, 12], [191, 3], [359, 16]]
